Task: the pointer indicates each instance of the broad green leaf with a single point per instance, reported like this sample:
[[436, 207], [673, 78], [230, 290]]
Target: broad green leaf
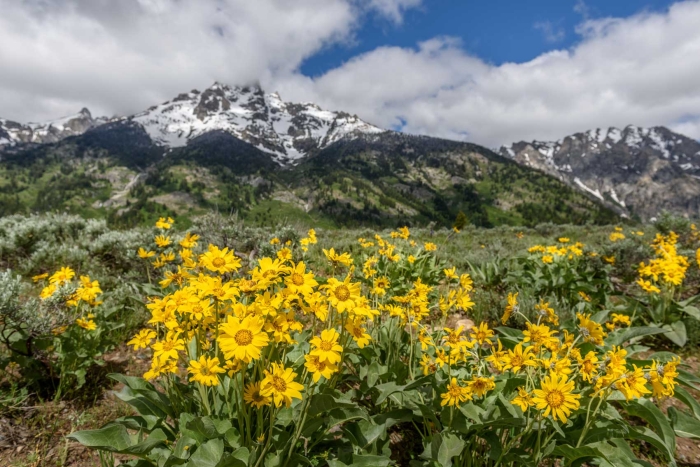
[[208, 454], [362, 460], [685, 397], [364, 432], [109, 438], [387, 389], [683, 425], [676, 333], [445, 446], [646, 410], [601, 316], [325, 402], [115, 438], [343, 415], [692, 311], [574, 454], [621, 336], [613, 455], [689, 379], [646, 434]]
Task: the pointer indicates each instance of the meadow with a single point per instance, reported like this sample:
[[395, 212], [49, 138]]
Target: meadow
[[216, 343]]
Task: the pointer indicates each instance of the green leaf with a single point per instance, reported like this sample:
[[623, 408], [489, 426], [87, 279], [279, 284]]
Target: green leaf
[[683, 425], [645, 409], [338, 416], [239, 458], [646, 434], [614, 457], [445, 446], [685, 397], [208, 454], [689, 379], [574, 454], [373, 373], [110, 438], [676, 333], [621, 336], [692, 311], [325, 402], [362, 460], [115, 438], [364, 432], [601, 316], [387, 389]]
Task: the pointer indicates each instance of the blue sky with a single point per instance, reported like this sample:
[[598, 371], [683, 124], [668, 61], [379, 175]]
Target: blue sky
[[490, 72], [497, 31]]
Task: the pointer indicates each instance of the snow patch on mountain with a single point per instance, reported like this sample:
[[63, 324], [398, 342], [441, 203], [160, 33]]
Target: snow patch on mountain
[[287, 131], [12, 133], [595, 193]]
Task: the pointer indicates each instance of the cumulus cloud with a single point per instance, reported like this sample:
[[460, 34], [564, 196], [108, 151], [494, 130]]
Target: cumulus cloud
[[639, 70], [121, 57]]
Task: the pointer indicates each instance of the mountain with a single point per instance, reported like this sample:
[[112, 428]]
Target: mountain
[[238, 149], [285, 130], [636, 171], [12, 133]]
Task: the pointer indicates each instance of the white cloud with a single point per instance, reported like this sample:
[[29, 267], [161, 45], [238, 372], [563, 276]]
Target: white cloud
[[550, 31], [393, 9], [121, 57], [639, 70]]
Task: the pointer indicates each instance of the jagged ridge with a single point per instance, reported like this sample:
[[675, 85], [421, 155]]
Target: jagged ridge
[[638, 171]]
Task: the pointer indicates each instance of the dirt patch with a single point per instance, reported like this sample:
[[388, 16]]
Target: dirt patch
[[35, 435]]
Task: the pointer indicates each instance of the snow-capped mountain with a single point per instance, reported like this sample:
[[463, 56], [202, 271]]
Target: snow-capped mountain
[[638, 171], [12, 133], [287, 131]]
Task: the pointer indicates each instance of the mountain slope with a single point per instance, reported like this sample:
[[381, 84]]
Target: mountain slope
[[636, 171], [115, 170], [240, 149]]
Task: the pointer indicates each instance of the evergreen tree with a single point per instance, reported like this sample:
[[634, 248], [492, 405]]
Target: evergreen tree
[[460, 221]]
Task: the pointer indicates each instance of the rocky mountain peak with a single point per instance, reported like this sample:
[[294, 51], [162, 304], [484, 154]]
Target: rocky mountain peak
[[288, 131], [12, 133], [637, 171]]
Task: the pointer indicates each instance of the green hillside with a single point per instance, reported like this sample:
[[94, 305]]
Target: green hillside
[[116, 172]]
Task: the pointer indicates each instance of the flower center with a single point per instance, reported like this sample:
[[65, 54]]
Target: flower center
[[479, 385], [455, 391], [279, 384], [342, 293], [297, 279], [555, 399], [218, 262], [243, 337], [517, 360], [326, 346]]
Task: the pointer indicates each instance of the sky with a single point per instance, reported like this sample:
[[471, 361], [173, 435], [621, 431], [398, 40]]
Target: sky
[[486, 72]]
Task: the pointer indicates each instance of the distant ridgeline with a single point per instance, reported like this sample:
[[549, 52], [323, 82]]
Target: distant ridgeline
[[236, 149]]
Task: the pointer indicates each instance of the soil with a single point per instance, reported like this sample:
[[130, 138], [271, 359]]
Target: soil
[[34, 435]]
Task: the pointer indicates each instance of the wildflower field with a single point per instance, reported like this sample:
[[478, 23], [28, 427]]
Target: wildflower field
[[216, 344]]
